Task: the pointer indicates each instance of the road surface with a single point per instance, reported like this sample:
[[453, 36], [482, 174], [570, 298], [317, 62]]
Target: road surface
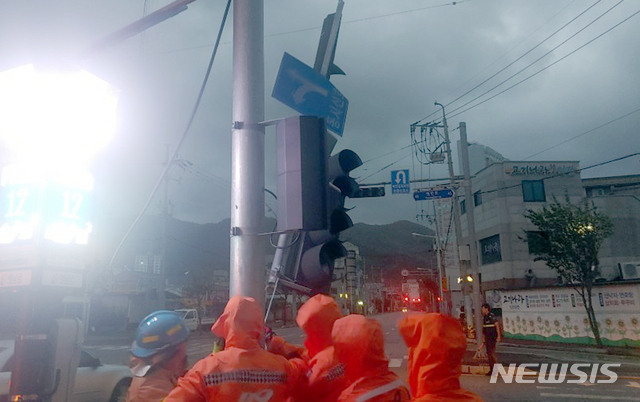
[[115, 350]]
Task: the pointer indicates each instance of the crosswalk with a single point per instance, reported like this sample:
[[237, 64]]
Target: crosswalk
[[620, 391]]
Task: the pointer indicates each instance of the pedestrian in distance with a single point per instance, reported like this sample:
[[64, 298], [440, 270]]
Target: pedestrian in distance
[[158, 356], [359, 345], [492, 335], [244, 371], [325, 378], [436, 348]]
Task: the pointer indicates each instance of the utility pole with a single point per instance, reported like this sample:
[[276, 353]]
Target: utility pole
[[471, 229], [438, 261], [444, 307], [247, 252], [457, 223]]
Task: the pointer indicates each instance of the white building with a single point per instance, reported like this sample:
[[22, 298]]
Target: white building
[[502, 193]]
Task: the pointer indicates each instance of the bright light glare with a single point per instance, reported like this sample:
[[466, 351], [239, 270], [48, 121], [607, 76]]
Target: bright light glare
[[55, 116]]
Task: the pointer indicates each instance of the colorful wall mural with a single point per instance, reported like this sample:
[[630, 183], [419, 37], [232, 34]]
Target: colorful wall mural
[[558, 314]]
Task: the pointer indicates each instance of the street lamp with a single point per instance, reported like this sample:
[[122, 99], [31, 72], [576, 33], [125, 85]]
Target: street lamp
[[438, 261]]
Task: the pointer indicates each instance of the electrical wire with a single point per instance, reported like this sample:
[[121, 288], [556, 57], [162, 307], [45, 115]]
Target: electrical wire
[[504, 54], [507, 52], [529, 51], [450, 113], [585, 133], [543, 69], [184, 135], [564, 174], [386, 167], [317, 28]]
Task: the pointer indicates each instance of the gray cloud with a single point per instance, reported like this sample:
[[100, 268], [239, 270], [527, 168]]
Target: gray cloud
[[398, 62]]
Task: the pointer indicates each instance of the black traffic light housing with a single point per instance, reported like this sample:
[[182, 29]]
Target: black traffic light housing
[[312, 188]]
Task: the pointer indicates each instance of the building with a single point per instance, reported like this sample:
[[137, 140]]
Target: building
[[348, 281], [480, 157], [503, 193], [505, 190]]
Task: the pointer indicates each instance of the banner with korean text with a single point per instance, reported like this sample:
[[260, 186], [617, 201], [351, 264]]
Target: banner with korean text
[[558, 314]]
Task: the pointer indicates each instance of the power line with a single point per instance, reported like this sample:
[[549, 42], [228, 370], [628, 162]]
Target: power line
[[449, 114], [526, 53], [184, 135], [507, 52], [550, 65], [317, 28], [585, 133], [386, 167], [565, 173]]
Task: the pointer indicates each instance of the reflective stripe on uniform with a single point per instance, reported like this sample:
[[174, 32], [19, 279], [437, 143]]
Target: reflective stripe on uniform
[[380, 390], [245, 376]]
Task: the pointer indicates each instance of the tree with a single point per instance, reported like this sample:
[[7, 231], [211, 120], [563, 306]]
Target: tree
[[568, 240]]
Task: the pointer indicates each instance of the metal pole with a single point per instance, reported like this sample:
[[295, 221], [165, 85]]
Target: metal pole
[[247, 252], [457, 222], [443, 303], [471, 228]]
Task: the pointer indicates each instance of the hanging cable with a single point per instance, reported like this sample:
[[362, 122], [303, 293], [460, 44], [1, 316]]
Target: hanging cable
[[184, 135]]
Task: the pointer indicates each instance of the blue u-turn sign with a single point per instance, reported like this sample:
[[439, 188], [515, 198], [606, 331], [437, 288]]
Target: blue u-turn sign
[[400, 182]]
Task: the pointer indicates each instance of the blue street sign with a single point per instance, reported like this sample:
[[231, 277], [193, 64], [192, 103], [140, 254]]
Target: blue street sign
[[308, 92], [400, 182], [434, 194]]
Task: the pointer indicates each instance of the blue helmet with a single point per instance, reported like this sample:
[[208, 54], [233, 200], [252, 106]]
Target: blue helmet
[[159, 331]]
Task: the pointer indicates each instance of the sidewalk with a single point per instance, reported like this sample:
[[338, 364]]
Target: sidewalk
[[610, 350], [519, 352]]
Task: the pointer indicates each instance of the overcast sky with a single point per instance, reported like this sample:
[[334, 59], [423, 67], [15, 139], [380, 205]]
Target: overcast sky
[[399, 57]]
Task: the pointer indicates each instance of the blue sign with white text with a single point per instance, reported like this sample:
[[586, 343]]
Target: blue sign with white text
[[422, 195], [308, 92], [400, 182]]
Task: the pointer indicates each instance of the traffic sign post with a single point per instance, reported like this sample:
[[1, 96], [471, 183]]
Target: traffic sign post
[[432, 194], [308, 92], [400, 182]]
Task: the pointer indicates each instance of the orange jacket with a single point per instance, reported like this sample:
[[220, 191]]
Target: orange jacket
[[160, 379], [243, 371], [359, 345], [436, 348], [326, 377]]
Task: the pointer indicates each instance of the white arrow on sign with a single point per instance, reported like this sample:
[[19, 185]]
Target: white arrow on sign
[[306, 87], [400, 177]]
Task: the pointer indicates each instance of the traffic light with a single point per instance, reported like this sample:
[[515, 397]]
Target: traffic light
[[368, 192], [321, 248], [301, 169], [311, 195]]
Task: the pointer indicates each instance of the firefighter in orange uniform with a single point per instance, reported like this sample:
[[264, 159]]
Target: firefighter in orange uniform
[[359, 345], [158, 356], [326, 377], [244, 371], [436, 348]]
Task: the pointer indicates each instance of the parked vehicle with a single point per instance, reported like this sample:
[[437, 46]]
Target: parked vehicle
[[95, 382], [193, 319]]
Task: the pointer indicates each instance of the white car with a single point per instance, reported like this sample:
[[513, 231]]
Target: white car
[[95, 382]]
